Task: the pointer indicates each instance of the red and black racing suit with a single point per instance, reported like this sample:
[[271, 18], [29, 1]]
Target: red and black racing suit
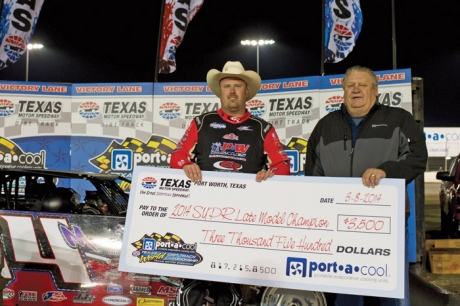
[[216, 141]]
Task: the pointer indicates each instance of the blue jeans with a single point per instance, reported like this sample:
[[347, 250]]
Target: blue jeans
[[357, 300]]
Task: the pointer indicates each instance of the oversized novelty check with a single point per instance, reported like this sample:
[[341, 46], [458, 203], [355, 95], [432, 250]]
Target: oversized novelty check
[[310, 233]]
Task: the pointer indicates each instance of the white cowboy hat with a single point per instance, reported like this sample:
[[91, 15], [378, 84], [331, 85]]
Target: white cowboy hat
[[234, 70]]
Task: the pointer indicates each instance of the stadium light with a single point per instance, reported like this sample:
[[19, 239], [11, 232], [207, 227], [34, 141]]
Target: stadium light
[[257, 43], [30, 47]]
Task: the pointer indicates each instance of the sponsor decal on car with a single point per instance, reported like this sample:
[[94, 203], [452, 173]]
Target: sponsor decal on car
[[150, 302], [114, 288], [116, 300], [8, 294], [84, 298], [53, 296], [27, 296], [140, 289]]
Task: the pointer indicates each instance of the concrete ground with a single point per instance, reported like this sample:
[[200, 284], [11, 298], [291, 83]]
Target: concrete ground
[[444, 287]]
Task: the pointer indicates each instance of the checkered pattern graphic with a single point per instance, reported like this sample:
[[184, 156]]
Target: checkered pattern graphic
[[106, 123], [189, 108], [32, 121], [9, 147], [164, 145], [292, 123], [155, 143], [298, 144]]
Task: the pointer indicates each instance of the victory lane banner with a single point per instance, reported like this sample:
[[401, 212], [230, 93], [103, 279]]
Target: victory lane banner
[[307, 233]]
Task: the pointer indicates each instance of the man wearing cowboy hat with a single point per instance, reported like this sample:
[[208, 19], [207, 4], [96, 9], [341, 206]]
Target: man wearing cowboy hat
[[210, 141], [232, 140]]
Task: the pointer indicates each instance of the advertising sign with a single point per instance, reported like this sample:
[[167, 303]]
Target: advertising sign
[[118, 127], [35, 125], [442, 141]]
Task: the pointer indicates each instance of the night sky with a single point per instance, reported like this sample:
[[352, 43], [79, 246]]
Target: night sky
[[116, 41]]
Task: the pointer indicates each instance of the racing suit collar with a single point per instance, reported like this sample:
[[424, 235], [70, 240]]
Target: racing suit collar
[[233, 119]]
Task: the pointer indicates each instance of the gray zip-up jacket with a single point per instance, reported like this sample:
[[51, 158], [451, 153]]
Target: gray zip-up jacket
[[389, 139]]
